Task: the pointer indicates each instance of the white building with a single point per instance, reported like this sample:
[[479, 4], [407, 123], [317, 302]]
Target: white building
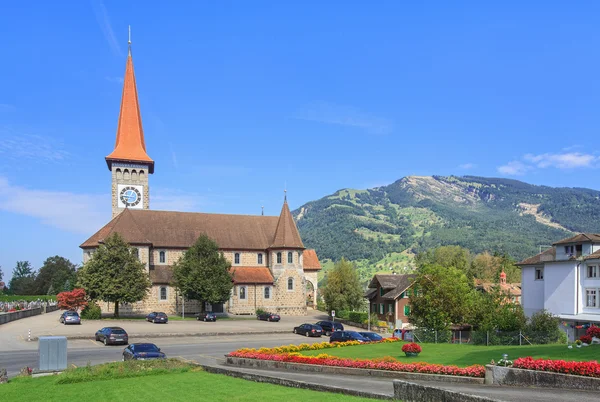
[[565, 280]]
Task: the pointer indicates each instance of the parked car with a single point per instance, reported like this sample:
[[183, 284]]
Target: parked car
[[206, 317], [330, 326], [308, 330], [268, 317], [70, 317], [112, 336], [157, 317], [372, 336], [142, 351], [346, 336]]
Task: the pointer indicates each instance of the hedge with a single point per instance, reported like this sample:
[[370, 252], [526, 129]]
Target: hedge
[[17, 298]]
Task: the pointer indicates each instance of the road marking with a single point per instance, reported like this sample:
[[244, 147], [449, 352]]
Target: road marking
[[93, 342]]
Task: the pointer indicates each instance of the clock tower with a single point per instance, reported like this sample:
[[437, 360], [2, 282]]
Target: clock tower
[[129, 163]]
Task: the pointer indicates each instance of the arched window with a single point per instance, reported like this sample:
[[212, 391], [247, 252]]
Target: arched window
[[242, 293], [126, 174], [290, 283], [162, 257], [119, 174], [259, 260], [163, 293], [134, 175], [142, 175], [267, 294], [278, 258], [236, 258], [290, 257], [135, 252]]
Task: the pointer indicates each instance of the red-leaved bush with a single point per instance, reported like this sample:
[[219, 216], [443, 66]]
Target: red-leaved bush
[[72, 300], [593, 331], [411, 348], [586, 339], [589, 369], [327, 360]]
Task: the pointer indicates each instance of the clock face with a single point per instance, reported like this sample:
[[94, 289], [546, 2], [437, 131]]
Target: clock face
[[130, 196]]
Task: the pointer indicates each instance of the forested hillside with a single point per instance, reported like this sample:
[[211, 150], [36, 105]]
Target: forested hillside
[[417, 213]]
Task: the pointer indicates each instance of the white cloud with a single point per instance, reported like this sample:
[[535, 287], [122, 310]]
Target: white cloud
[[567, 160], [73, 212], [106, 27], [467, 166], [331, 113], [14, 145], [514, 168]]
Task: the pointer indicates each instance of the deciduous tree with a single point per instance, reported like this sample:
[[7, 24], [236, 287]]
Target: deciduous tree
[[23, 279], [73, 300], [202, 273], [114, 274], [343, 290], [53, 274]]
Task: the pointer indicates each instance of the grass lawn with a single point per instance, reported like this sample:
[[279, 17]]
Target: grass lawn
[[175, 386], [462, 355]]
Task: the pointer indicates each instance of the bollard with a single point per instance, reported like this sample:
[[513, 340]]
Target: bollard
[[29, 336]]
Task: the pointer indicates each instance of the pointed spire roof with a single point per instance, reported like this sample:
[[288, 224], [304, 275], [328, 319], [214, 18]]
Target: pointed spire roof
[[130, 145], [286, 234]]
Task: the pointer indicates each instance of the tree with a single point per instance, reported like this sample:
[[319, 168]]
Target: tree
[[73, 300], [114, 274], [444, 296], [1, 274], [23, 279], [202, 273], [445, 256], [343, 290], [54, 273]]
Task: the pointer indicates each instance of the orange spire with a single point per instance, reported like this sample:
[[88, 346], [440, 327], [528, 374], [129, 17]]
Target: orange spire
[[502, 278], [286, 234], [130, 145]]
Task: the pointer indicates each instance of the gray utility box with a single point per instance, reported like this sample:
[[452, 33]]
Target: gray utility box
[[53, 353]]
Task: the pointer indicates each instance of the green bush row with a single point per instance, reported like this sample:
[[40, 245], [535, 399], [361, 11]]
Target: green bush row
[[13, 298], [91, 312]]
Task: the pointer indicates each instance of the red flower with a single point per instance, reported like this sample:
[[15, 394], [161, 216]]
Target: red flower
[[586, 339], [593, 331], [589, 369], [411, 348]]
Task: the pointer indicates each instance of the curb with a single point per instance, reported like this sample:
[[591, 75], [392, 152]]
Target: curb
[[173, 335], [293, 383]]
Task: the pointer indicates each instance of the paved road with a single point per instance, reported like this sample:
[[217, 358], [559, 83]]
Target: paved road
[[205, 349]]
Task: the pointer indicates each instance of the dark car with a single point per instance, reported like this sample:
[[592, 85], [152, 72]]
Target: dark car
[[157, 317], [206, 317], [268, 317], [372, 336], [346, 336], [142, 351], [330, 326], [309, 330], [112, 336], [70, 317]]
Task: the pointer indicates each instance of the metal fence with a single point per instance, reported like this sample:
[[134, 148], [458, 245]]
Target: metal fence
[[488, 338]]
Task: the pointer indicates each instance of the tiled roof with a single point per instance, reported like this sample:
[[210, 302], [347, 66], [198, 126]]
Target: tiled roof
[[404, 283], [386, 281], [161, 274], [130, 145], [579, 238], [252, 275], [593, 256], [310, 260], [370, 293], [181, 229], [545, 256], [286, 234]]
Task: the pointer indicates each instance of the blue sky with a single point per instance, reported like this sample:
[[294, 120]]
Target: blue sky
[[241, 99]]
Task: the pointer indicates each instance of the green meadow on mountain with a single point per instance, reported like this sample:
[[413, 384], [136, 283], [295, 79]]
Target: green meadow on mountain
[[381, 229]]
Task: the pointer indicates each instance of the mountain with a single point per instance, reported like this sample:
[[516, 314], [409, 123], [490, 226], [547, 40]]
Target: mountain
[[390, 224]]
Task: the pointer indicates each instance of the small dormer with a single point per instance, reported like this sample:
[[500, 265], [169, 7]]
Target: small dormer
[[577, 246]]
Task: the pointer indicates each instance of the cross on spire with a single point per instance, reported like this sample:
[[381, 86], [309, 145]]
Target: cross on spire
[[129, 41]]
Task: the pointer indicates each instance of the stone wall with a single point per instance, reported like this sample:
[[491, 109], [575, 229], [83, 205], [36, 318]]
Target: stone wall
[[498, 375], [411, 392], [17, 315]]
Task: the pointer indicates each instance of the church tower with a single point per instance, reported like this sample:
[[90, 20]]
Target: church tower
[[129, 163]]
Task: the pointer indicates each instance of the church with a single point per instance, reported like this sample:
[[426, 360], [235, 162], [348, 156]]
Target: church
[[270, 267]]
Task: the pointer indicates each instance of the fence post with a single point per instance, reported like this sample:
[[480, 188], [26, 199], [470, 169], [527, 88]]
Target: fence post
[[460, 337], [436, 336], [520, 342], [487, 338]]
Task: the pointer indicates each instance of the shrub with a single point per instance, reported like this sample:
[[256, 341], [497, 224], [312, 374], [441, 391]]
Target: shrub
[[358, 317], [91, 312], [593, 331], [586, 339], [260, 311], [543, 328], [411, 348]]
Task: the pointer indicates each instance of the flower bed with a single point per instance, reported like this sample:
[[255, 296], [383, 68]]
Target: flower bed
[[588, 369], [411, 348], [289, 354]]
